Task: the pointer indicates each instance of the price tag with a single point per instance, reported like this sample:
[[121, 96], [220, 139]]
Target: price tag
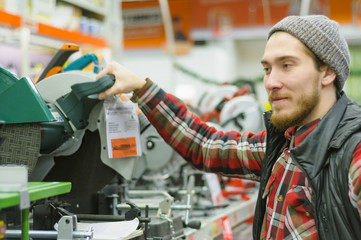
[[122, 128]]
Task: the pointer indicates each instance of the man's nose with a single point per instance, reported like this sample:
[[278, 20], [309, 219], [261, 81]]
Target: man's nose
[[273, 80]]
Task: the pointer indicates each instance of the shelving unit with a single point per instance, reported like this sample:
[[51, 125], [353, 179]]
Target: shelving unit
[[37, 190], [27, 33]]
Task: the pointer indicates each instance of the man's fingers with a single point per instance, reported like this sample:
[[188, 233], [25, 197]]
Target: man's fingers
[[103, 72], [119, 86], [109, 69], [107, 93]]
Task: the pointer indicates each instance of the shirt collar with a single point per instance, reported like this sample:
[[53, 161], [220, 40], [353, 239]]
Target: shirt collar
[[300, 132]]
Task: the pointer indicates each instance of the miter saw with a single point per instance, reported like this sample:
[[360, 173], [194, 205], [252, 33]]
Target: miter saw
[[56, 128], [60, 121]]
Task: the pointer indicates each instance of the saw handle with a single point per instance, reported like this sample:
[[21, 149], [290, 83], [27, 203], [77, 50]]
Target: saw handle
[[78, 103], [82, 90]]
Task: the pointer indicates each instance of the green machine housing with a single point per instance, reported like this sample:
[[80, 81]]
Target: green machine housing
[[20, 102]]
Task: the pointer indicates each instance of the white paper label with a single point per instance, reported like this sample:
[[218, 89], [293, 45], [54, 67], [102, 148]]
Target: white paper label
[[122, 129]]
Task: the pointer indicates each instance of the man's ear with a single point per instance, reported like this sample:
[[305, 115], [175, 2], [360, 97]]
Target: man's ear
[[328, 76]]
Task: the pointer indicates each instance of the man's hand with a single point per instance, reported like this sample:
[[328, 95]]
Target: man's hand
[[125, 80]]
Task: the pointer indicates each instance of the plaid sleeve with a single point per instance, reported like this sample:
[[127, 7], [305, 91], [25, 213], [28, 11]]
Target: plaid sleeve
[[355, 179], [231, 153]]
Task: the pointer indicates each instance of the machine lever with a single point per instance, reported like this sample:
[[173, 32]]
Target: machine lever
[[78, 103], [57, 62], [195, 224], [82, 90], [135, 212]]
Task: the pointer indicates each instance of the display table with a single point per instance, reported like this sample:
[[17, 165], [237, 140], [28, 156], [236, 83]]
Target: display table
[[36, 190], [236, 214]]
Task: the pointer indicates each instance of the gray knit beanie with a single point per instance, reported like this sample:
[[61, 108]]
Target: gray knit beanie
[[322, 36]]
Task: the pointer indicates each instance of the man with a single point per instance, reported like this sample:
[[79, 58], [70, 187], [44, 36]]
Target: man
[[308, 160]]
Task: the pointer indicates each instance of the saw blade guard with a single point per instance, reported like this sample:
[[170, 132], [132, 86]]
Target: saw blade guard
[[74, 94], [242, 113]]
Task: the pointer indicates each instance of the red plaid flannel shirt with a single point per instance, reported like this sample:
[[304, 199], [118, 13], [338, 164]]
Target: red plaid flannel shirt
[[289, 213]]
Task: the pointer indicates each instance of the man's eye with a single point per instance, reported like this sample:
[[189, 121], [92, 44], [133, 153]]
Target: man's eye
[[266, 69], [286, 65]]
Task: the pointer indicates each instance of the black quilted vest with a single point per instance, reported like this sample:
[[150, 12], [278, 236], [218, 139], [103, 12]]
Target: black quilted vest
[[324, 156]]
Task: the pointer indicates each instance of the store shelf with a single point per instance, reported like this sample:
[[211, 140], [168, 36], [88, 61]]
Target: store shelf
[[87, 5], [37, 190], [70, 36], [352, 33], [246, 33], [9, 19], [12, 20]]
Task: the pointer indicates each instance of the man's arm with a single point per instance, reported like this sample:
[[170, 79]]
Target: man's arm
[[230, 153]]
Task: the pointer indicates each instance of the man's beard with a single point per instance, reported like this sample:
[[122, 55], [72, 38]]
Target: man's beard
[[306, 103]]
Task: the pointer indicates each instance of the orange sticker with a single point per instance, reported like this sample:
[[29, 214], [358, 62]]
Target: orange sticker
[[124, 147]]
